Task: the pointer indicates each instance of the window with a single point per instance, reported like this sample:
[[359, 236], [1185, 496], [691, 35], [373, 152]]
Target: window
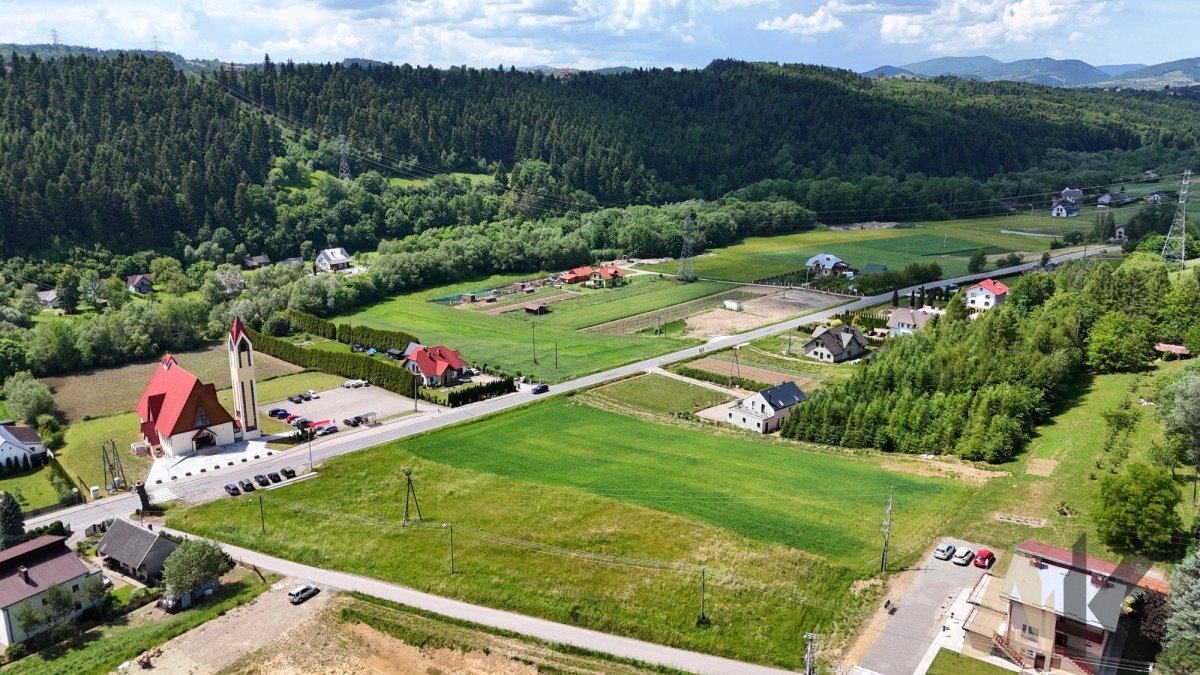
[[201, 418], [45, 602], [1029, 632], [75, 588]]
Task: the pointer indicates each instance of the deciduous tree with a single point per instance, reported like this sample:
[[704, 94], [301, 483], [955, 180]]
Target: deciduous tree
[[1135, 512]]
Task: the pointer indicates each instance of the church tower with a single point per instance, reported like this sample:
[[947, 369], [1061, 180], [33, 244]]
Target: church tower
[[241, 374]]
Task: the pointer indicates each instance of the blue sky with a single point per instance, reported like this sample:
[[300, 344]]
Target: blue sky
[[858, 34]]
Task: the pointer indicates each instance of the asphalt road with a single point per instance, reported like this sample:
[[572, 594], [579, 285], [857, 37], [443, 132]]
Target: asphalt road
[[209, 487]]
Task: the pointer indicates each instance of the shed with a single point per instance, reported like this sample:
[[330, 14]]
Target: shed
[[536, 308], [1177, 350], [733, 305], [394, 353], [469, 297]]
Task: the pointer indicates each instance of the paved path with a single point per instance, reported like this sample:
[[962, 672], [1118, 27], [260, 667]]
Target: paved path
[[519, 623]]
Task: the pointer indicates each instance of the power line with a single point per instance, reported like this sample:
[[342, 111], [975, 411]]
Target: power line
[[1174, 248]]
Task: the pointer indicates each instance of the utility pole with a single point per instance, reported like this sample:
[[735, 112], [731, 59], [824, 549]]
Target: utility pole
[[451, 526], [262, 518], [411, 492], [414, 392], [154, 41], [886, 529], [533, 326], [687, 265], [810, 654], [556, 354], [310, 434], [702, 620]]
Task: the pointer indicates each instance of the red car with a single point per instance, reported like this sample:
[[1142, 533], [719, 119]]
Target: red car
[[984, 559], [290, 418]]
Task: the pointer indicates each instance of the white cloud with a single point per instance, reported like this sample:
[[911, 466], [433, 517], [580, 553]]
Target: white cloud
[[963, 25], [820, 21]]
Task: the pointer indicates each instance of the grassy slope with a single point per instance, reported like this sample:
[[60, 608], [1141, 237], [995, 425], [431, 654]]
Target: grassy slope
[[647, 293], [5, 413], [952, 663], [661, 394], [506, 342], [34, 488]]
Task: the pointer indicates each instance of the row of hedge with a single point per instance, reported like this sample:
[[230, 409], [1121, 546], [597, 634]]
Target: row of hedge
[[381, 340], [355, 366], [723, 380], [864, 321], [452, 398]]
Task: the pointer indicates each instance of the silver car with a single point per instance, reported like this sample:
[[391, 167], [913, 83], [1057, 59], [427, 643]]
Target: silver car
[[964, 557], [945, 551]]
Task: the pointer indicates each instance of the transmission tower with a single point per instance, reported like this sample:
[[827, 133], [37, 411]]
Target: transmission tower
[[110, 461], [1173, 248], [344, 169], [411, 492], [810, 654], [154, 41], [687, 264], [54, 40]]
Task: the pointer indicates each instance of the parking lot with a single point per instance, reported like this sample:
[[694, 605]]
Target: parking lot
[[920, 614], [338, 404]]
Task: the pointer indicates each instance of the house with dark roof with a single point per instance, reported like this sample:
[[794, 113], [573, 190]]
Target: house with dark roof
[[826, 265], [1072, 194], [767, 410], [333, 259], [872, 268], [135, 551], [1155, 197], [985, 295], [1064, 209], [21, 443], [139, 283], [836, 344], [435, 366], [28, 571], [253, 262]]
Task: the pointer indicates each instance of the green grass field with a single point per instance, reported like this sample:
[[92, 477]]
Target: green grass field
[[314, 179], [949, 243], [5, 413], [508, 343], [660, 394], [953, 663], [32, 490], [645, 293]]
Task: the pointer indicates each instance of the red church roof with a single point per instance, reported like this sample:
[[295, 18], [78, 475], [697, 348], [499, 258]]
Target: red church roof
[[434, 361], [237, 329], [170, 402], [993, 286]]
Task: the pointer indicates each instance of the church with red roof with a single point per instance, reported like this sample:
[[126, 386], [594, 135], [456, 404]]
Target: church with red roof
[[181, 415]]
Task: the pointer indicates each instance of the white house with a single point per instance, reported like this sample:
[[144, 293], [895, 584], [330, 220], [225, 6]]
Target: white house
[[333, 259], [837, 344], [827, 265], [903, 320], [1155, 198], [1064, 209], [766, 411], [1072, 194], [21, 442], [1114, 198], [985, 295], [49, 299], [28, 571], [1119, 233]]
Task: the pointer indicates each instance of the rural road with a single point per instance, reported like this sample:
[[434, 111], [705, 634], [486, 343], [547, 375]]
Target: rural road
[[539, 628], [210, 486]]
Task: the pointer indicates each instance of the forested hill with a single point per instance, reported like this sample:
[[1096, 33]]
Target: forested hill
[[130, 153]]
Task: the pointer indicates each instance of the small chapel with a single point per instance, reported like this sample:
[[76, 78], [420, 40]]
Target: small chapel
[[180, 415]]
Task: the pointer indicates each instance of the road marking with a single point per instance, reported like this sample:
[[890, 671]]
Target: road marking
[[163, 495]]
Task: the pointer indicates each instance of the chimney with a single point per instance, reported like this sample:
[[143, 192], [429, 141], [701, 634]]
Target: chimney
[[23, 572]]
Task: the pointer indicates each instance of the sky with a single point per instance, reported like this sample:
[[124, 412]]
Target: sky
[[856, 34]]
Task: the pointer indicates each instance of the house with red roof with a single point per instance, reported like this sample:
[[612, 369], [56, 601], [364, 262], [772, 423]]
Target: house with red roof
[[985, 295], [607, 276], [577, 275], [180, 414], [435, 366]]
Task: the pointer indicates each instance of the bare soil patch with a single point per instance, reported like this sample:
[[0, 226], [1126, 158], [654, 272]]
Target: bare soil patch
[[1041, 467], [1019, 520], [106, 391], [749, 372], [871, 225], [632, 324], [770, 308], [545, 300]]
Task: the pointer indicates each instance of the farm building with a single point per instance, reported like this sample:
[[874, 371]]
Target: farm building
[[733, 305], [49, 299], [767, 410], [253, 262], [139, 283], [837, 344], [872, 268], [435, 366], [333, 259], [1064, 209], [826, 265], [903, 320], [536, 308], [577, 275], [28, 571], [606, 276], [985, 295], [135, 550], [21, 443]]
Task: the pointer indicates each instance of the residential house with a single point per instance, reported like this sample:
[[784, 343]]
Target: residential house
[[1155, 198], [986, 295], [28, 571], [139, 283], [576, 275], [135, 551], [767, 410], [435, 366], [333, 260], [1055, 611], [20, 442], [1119, 234], [1064, 209], [837, 344], [1072, 194], [904, 320], [1110, 198], [607, 276], [872, 268], [826, 265], [253, 262], [49, 299], [179, 414]]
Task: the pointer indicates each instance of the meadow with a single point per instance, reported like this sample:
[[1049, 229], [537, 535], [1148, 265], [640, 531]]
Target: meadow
[[507, 343], [659, 394], [949, 243], [644, 293]]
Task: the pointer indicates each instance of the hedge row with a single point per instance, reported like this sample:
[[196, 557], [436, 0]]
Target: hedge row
[[865, 322], [381, 340], [356, 366], [723, 380], [452, 398]]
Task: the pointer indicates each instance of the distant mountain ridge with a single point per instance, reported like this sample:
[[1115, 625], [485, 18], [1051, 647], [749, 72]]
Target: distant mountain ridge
[[1051, 72]]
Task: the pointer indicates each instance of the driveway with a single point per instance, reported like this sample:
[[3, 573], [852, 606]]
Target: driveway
[[338, 404], [906, 636]]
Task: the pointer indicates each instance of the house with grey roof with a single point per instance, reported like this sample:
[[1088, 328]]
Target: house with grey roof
[[826, 265], [836, 344], [28, 571], [49, 299], [135, 550], [20, 443], [904, 320], [333, 260], [767, 410]]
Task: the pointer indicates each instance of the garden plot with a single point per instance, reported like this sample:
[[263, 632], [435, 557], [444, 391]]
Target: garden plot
[[758, 311], [514, 306], [750, 372], [640, 322]]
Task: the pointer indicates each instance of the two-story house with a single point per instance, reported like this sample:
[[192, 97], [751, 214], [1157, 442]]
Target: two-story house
[[836, 344], [28, 571], [985, 295], [767, 410]]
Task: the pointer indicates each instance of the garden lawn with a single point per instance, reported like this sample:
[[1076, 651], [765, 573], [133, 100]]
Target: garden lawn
[[102, 649], [5, 413], [953, 663], [507, 343], [645, 293], [80, 454], [280, 388], [32, 490], [660, 394]]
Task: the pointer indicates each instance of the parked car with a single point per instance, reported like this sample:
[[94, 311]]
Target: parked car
[[301, 423], [246, 486], [305, 396], [357, 347], [288, 472], [262, 480], [348, 384], [274, 477], [362, 419], [944, 551], [232, 490], [312, 394], [351, 421], [541, 388], [291, 418], [327, 429], [274, 412], [984, 559], [296, 399], [964, 557], [301, 593]]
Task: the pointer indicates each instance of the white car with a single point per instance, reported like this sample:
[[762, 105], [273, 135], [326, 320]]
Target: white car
[[301, 593], [963, 557], [313, 394], [353, 384]]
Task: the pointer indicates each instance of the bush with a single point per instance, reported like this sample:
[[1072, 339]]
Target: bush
[[349, 334], [277, 325], [28, 397], [739, 382], [16, 651]]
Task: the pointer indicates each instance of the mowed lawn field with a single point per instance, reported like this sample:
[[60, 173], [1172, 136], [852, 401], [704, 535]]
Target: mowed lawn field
[[659, 394], [644, 293], [506, 342], [949, 243]]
